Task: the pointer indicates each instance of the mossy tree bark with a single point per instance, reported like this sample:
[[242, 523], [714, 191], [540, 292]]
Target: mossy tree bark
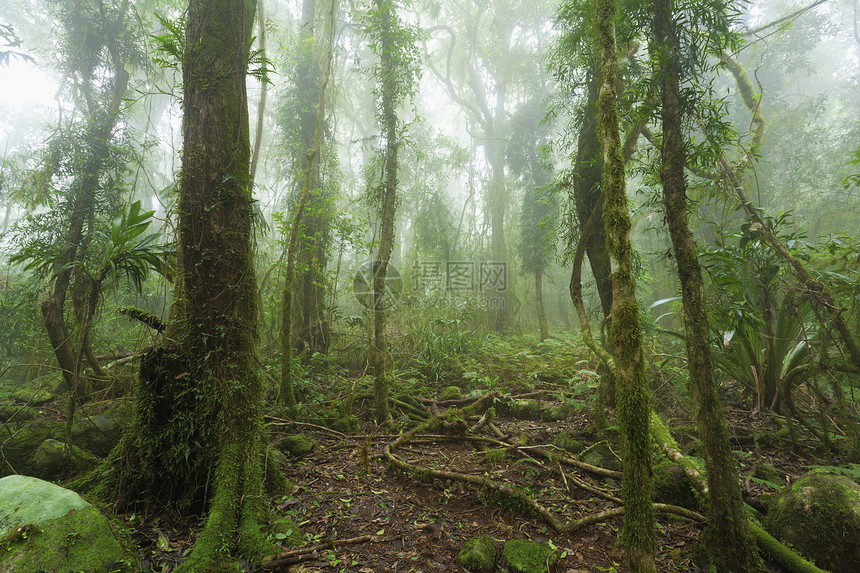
[[588, 198], [387, 91], [587, 192], [100, 99], [625, 336], [197, 438], [218, 318], [311, 177], [312, 329], [727, 537]]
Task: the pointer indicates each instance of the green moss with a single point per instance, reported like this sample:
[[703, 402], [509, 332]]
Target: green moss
[[81, 540], [566, 441], [529, 556], [495, 456], [56, 461], [478, 555], [451, 392], [513, 500], [672, 486], [285, 532], [602, 456], [297, 445], [820, 516]]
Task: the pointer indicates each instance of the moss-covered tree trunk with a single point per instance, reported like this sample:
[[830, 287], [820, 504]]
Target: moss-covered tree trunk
[[312, 329], [379, 346], [588, 197], [541, 311], [196, 442], [588, 192], [309, 179], [217, 328], [727, 537], [625, 336]]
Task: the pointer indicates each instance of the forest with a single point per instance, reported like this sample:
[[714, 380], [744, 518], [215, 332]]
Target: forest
[[546, 286]]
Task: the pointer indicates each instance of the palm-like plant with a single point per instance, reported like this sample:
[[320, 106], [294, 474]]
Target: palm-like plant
[[768, 362]]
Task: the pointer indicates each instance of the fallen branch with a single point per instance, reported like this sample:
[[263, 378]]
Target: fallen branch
[[311, 552]]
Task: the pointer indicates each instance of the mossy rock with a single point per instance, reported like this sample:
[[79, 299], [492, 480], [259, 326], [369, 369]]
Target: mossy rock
[[28, 500], [14, 412], [478, 555], [25, 438], [286, 533], [297, 445], [452, 393], [602, 456], [672, 486], [41, 390], [768, 473], [529, 556], [568, 443], [44, 527], [55, 461], [81, 540], [97, 434], [819, 515]]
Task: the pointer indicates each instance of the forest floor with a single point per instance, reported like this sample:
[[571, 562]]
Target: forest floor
[[363, 516], [356, 513]]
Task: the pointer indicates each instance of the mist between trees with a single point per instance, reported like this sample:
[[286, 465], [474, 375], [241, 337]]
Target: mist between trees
[[231, 211]]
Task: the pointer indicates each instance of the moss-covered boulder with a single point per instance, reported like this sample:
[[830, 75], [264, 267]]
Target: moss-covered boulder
[[529, 556], [478, 555], [55, 461], [819, 515], [28, 500], [97, 434], [297, 445], [41, 390], [44, 527]]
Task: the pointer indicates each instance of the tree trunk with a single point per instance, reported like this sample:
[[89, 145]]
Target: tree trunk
[[541, 311], [287, 394], [379, 344], [588, 193], [727, 537], [312, 329], [196, 440], [637, 533]]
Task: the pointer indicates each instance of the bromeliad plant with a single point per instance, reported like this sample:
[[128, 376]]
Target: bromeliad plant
[[769, 360], [127, 250], [764, 336]]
